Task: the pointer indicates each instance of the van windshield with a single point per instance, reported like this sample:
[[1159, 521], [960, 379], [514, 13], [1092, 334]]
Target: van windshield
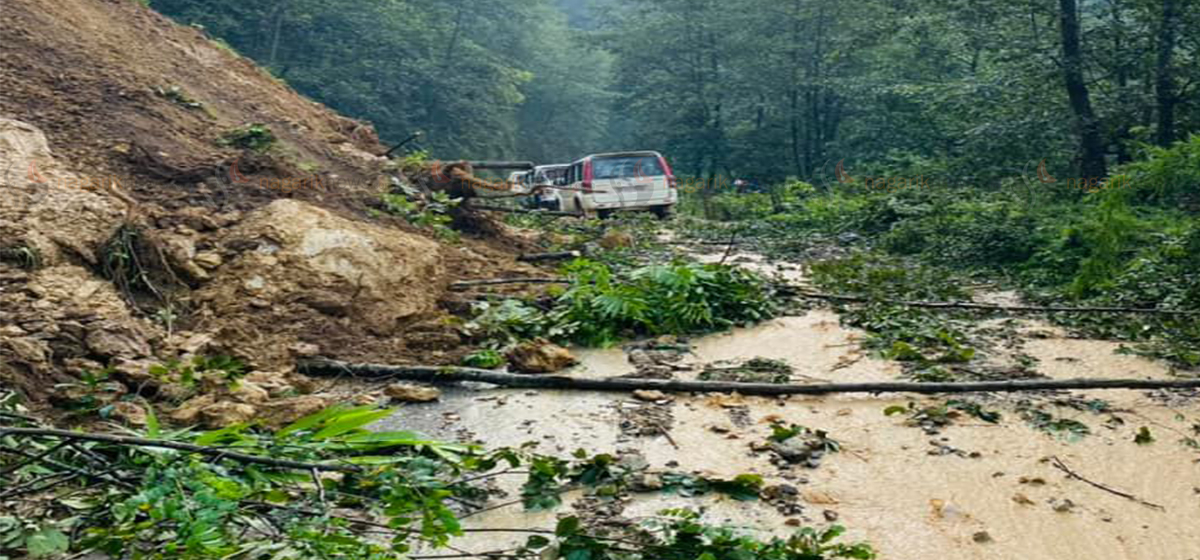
[[626, 167], [552, 174]]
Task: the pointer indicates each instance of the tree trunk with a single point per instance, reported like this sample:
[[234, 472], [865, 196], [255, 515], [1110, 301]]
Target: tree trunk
[[1091, 144], [449, 374], [1162, 84]]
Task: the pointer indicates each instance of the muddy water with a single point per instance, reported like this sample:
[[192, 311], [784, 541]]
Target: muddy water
[[976, 490]]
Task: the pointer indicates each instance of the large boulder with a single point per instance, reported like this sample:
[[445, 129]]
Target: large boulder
[[290, 270], [48, 209]]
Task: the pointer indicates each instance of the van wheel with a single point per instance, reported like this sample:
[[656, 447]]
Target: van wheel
[[604, 214], [663, 212]]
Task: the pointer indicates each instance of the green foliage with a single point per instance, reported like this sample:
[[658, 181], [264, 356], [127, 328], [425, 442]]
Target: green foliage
[[601, 307], [188, 374], [935, 417], [24, 256], [678, 298], [754, 370], [432, 213], [1068, 428], [486, 359], [1167, 176], [255, 137]]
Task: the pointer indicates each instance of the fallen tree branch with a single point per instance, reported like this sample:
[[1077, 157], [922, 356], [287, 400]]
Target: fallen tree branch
[[493, 208], [217, 452], [990, 307], [1058, 464], [459, 286], [449, 374], [554, 256]]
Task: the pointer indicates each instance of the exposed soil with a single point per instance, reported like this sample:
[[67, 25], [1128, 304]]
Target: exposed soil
[[133, 234]]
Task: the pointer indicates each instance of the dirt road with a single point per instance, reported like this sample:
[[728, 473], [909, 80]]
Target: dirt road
[[973, 490]]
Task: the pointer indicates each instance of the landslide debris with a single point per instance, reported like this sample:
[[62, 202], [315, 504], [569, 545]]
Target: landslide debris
[[167, 202]]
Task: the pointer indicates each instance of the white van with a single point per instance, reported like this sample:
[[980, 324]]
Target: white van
[[544, 178], [519, 181], [603, 183]]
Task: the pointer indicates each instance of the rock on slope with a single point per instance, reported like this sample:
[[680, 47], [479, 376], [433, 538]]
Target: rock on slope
[[126, 241]]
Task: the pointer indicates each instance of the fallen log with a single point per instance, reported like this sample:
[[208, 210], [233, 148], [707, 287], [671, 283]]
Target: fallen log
[[492, 208], [459, 286], [991, 307], [434, 374], [501, 164], [554, 256]]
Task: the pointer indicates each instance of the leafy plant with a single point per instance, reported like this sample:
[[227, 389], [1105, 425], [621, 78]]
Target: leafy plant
[[431, 213], [255, 137], [486, 359]]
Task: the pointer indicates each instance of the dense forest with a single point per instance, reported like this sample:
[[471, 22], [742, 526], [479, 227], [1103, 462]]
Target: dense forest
[[968, 92]]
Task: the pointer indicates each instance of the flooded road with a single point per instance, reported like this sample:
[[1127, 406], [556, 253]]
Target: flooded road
[[974, 490]]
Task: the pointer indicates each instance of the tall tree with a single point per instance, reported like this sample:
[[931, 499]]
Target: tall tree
[[1091, 143]]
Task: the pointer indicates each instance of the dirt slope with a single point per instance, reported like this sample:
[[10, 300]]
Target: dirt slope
[[130, 234]]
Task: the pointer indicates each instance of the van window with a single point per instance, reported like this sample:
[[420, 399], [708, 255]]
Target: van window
[[623, 167]]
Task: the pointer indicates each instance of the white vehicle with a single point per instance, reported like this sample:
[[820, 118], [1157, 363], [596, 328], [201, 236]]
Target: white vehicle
[[603, 183], [542, 183], [519, 180]]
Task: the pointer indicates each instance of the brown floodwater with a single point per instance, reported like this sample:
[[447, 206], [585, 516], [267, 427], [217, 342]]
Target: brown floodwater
[[976, 490]]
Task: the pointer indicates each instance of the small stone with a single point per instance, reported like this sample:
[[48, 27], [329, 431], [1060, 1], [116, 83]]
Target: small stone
[[208, 260], [305, 349], [1022, 499], [406, 392], [540, 356], [1064, 506], [830, 515], [223, 414], [281, 412], [649, 396], [131, 413], [982, 537], [652, 482]]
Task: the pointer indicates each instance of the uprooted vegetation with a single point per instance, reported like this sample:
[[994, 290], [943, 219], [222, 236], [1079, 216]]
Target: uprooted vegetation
[[1129, 247], [601, 306], [326, 487]]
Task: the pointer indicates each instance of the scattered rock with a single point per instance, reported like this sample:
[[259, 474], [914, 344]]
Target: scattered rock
[[281, 412], [540, 356], [208, 260], [274, 382], [820, 497], [649, 396], [615, 239], [111, 342], [223, 414], [407, 392], [249, 392], [1064, 506], [830, 515], [982, 537], [132, 414], [305, 349], [189, 411]]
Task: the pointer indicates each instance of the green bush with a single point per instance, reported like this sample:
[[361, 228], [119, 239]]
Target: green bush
[[256, 137], [677, 298], [601, 307], [1168, 176]]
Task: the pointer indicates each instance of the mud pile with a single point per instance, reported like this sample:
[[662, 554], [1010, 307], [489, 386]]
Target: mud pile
[[134, 231]]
